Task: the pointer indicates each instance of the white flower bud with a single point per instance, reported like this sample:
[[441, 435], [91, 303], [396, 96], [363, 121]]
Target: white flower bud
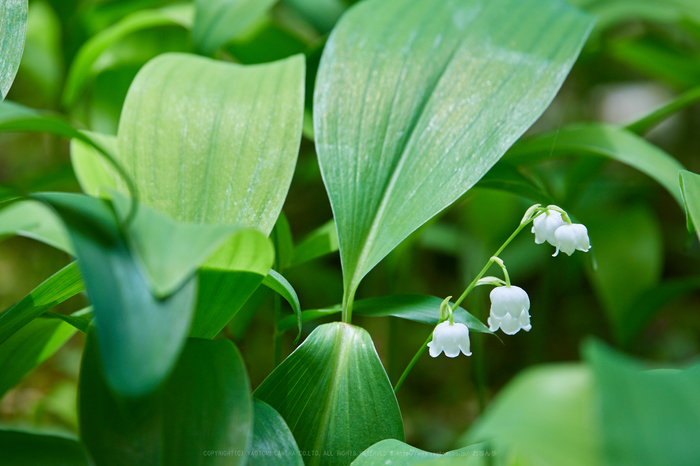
[[509, 310], [544, 226], [450, 339], [569, 238]]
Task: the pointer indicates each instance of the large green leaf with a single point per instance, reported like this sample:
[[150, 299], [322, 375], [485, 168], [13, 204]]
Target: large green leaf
[[13, 27], [91, 59], [140, 336], [29, 347], [273, 442], [62, 285], [204, 408], [648, 416], [216, 145], [93, 172], [547, 415], [416, 100], [29, 449], [34, 220], [218, 21], [597, 139], [334, 394], [415, 307]]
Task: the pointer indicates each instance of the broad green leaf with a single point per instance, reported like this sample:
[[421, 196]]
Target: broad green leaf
[[690, 190], [29, 347], [218, 21], [170, 252], [415, 307], [92, 171], [273, 442], [92, 59], [228, 278], [281, 286], [140, 336], [597, 139], [388, 451], [80, 320], [334, 395], [648, 416], [29, 449], [204, 407], [547, 415], [34, 220], [415, 101], [13, 27], [323, 240], [218, 144], [64, 284], [629, 251]]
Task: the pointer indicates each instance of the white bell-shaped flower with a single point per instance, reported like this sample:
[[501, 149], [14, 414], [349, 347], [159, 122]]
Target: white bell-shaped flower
[[544, 226], [451, 339], [510, 307], [569, 238]]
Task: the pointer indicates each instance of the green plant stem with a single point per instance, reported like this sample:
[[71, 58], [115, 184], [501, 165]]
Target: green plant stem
[[348, 300], [686, 99], [471, 286], [413, 362]]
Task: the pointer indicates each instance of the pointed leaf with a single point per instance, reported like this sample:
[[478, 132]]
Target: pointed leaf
[[140, 336], [204, 407], [29, 347], [415, 101], [331, 391], [280, 285], [62, 285], [219, 21], [415, 307], [218, 144], [273, 442], [80, 320], [13, 27], [30, 449]]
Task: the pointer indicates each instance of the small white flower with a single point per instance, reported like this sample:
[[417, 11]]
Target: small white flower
[[569, 238], [544, 226], [450, 339], [509, 310]]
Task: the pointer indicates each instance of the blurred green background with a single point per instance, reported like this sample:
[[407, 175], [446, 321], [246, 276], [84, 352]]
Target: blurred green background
[[636, 289]]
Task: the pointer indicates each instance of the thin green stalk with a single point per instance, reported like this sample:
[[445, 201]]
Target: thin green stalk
[[348, 299], [686, 99], [413, 362]]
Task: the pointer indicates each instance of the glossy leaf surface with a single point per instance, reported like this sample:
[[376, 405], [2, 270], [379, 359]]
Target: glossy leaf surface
[[217, 145], [140, 336], [29, 347], [273, 442], [415, 101], [13, 27], [331, 391], [204, 407]]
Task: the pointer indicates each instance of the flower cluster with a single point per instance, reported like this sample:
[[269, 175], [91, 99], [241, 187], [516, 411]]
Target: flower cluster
[[510, 305]]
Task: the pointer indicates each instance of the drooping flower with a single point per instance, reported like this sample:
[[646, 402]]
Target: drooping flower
[[450, 338], [544, 226], [569, 238], [510, 307]]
